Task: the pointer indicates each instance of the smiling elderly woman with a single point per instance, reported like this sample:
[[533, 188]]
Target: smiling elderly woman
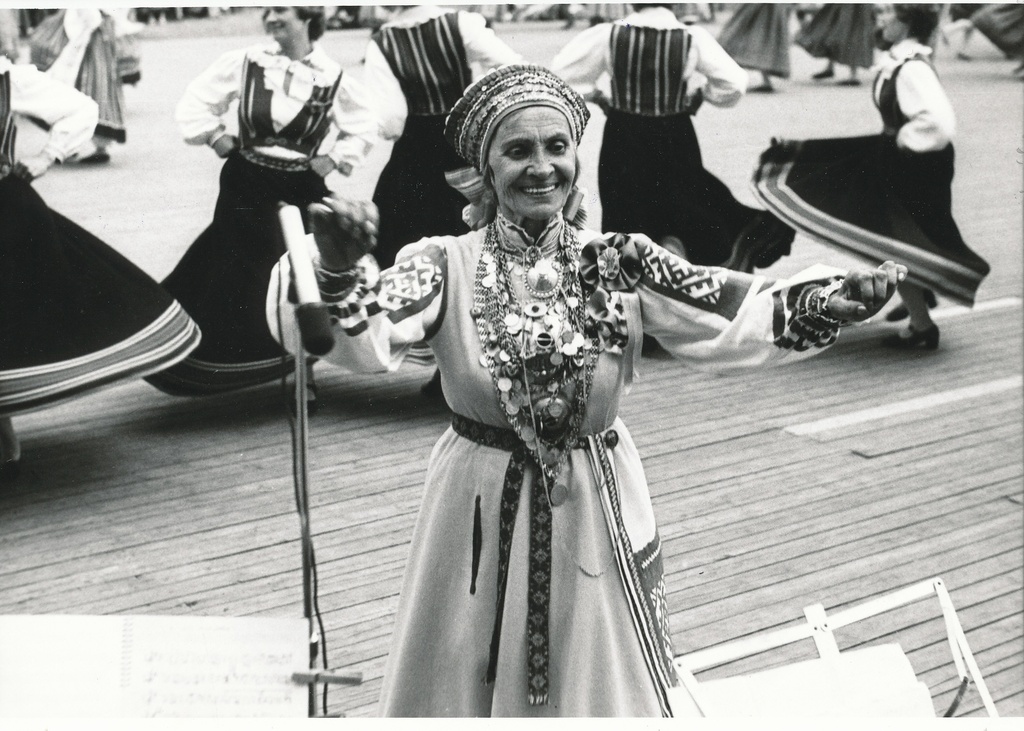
[[534, 585]]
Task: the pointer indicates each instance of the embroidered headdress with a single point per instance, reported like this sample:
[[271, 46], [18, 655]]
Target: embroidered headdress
[[475, 117]]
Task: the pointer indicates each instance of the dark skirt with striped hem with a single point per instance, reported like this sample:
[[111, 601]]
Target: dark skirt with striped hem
[[868, 198], [757, 37], [653, 181], [841, 32], [222, 280], [75, 315], [412, 196]]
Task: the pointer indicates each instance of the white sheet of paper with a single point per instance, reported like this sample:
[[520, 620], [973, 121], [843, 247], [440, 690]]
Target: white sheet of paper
[[62, 666]]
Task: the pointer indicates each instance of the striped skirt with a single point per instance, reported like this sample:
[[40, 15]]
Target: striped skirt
[[757, 37], [222, 280], [867, 198], [74, 314], [100, 79], [842, 33]]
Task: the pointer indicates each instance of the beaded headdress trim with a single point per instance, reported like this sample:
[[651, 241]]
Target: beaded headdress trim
[[475, 117]]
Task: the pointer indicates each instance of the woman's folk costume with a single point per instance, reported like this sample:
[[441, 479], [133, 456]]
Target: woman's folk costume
[[884, 196], [288, 112], [74, 314], [535, 584], [417, 65], [651, 173]]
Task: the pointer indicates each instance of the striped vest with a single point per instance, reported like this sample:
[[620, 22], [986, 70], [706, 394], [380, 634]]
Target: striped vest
[[256, 126], [7, 129], [429, 62], [647, 69]]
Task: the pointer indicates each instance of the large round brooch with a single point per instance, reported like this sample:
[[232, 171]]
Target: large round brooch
[[543, 278]]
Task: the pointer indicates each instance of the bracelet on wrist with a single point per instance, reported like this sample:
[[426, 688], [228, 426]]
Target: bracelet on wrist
[[818, 304]]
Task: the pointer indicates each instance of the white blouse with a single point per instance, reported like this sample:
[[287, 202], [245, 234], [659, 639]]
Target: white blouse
[[200, 113], [931, 123], [71, 114], [484, 51], [587, 57]]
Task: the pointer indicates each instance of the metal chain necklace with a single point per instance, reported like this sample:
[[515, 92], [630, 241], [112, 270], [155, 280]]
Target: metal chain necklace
[[540, 360]]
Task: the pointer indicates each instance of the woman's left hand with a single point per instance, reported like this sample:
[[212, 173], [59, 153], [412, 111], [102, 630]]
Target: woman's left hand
[[865, 291]]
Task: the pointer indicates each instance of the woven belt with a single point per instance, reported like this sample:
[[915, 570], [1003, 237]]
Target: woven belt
[[539, 584], [289, 166]]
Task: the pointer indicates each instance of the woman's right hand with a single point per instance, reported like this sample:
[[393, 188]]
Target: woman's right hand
[[225, 145], [344, 231]]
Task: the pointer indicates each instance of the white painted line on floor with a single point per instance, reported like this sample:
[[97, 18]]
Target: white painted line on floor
[[902, 407], [957, 310]]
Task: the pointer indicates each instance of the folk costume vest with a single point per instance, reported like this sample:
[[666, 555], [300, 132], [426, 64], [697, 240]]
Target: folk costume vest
[[255, 123], [886, 100], [646, 73], [429, 61]]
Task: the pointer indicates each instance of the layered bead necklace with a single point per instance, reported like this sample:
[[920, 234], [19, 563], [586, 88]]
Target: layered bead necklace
[[538, 353]]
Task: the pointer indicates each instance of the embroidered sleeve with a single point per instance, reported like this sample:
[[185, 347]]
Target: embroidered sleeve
[[728, 319], [376, 315]]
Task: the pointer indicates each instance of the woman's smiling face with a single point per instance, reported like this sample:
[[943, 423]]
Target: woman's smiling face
[[532, 159], [283, 24]]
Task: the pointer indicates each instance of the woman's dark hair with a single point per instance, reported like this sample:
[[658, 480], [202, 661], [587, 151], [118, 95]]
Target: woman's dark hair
[[316, 17], [921, 20]]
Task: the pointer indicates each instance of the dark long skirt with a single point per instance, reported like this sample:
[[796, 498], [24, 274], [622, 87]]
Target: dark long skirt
[[222, 280], [412, 195], [844, 33], [652, 181], [868, 198], [74, 314], [757, 37]]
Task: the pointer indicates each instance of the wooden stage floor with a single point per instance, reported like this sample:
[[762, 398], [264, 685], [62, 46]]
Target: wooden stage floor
[[132, 502]]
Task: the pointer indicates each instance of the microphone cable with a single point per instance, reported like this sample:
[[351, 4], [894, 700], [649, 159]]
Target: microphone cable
[[300, 488]]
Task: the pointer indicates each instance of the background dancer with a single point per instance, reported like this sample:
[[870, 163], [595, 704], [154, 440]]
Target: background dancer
[[887, 196], [418, 64], [757, 37], [78, 46], [74, 314], [299, 119], [842, 33], [651, 174]]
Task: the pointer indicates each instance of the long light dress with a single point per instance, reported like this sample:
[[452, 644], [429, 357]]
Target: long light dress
[[610, 648]]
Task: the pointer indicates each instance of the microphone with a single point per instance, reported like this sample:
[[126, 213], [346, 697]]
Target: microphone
[[311, 314]]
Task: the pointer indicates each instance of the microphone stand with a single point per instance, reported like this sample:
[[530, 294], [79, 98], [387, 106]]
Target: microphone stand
[[313, 324], [300, 449]]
